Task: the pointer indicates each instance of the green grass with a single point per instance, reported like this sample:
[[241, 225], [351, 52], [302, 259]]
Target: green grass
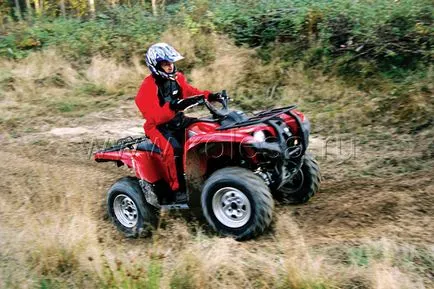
[[136, 276]]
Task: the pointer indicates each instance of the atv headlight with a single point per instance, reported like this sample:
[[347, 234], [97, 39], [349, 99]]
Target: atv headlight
[[259, 136]]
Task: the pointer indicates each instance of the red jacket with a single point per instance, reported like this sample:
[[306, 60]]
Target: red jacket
[[148, 103]]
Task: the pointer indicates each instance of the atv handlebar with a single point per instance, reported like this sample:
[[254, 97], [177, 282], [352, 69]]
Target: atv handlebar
[[216, 113], [222, 112]]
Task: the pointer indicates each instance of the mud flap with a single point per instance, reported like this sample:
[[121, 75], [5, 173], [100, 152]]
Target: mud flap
[[150, 196]]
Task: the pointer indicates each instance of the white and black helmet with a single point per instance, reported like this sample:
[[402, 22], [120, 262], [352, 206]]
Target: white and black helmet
[[161, 52]]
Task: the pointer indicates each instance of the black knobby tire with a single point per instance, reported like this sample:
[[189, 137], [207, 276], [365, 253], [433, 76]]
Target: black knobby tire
[[249, 187], [305, 184], [128, 189]]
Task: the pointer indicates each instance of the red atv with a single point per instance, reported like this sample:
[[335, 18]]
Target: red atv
[[233, 166]]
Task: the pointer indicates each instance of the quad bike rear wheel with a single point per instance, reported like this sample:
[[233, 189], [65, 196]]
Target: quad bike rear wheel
[[304, 185], [128, 209], [237, 203]]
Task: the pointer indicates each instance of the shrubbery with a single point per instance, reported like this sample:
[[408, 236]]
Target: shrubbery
[[383, 48], [119, 33], [351, 38]]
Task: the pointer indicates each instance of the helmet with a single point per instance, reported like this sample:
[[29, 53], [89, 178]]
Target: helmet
[[161, 52]]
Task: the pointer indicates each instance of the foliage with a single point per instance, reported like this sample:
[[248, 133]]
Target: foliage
[[119, 33], [351, 38], [382, 48], [131, 275]]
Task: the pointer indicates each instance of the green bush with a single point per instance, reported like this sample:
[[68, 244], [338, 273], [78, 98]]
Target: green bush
[[383, 47], [340, 36], [118, 33], [349, 38]]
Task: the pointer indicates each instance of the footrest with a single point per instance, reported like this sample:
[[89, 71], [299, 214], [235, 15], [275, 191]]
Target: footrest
[[175, 207]]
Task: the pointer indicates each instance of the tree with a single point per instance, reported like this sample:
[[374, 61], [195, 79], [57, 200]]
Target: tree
[[4, 11], [154, 8], [62, 8], [92, 8], [28, 7], [17, 9], [37, 7], [156, 4]]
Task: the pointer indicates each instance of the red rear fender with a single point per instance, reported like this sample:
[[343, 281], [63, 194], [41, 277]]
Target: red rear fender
[[123, 156], [147, 165]]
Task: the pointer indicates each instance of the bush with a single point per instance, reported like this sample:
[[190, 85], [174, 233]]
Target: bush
[[339, 36], [119, 33], [383, 48]]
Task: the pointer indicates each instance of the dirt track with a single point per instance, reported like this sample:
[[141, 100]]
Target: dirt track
[[348, 208], [359, 208]]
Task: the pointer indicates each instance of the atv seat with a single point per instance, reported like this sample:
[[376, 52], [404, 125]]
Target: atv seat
[[148, 146]]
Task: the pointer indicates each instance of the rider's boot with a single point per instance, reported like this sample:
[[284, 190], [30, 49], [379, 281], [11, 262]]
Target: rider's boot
[[181, 197]]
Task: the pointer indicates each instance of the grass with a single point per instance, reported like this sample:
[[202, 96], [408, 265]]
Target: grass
[[64, 89], [44, 86], [54, 232], [60, 247]]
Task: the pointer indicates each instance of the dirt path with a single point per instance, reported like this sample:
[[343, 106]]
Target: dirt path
[[371, 208], [348, 208]]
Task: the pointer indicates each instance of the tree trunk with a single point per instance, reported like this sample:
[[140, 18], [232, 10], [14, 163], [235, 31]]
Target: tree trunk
[[154, 8], [18, 9], [163, 5], [2, 19], [62, 8], [92, 8], [37, 8], [28, 7]]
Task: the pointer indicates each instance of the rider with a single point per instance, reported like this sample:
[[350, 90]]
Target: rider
[[161, 99]]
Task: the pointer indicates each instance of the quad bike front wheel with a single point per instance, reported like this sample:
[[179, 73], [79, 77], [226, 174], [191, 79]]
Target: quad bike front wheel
[[128, 209], [303, 185], [237, 203]]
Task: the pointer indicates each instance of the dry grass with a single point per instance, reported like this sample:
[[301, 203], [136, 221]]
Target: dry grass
[[182, 39], [255, 85], [113, 76], [54, 234], [61, 244], [50, 231], [230, 66], [44, 89], [45, 86], [332, 106], [43, 65]]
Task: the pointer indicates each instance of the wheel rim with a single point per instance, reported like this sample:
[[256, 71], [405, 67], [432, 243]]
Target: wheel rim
[[125, 210], [231, 207], [295, 184]]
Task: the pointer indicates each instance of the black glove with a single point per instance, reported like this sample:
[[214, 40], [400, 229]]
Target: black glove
[[182, 104], [215, 96]]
